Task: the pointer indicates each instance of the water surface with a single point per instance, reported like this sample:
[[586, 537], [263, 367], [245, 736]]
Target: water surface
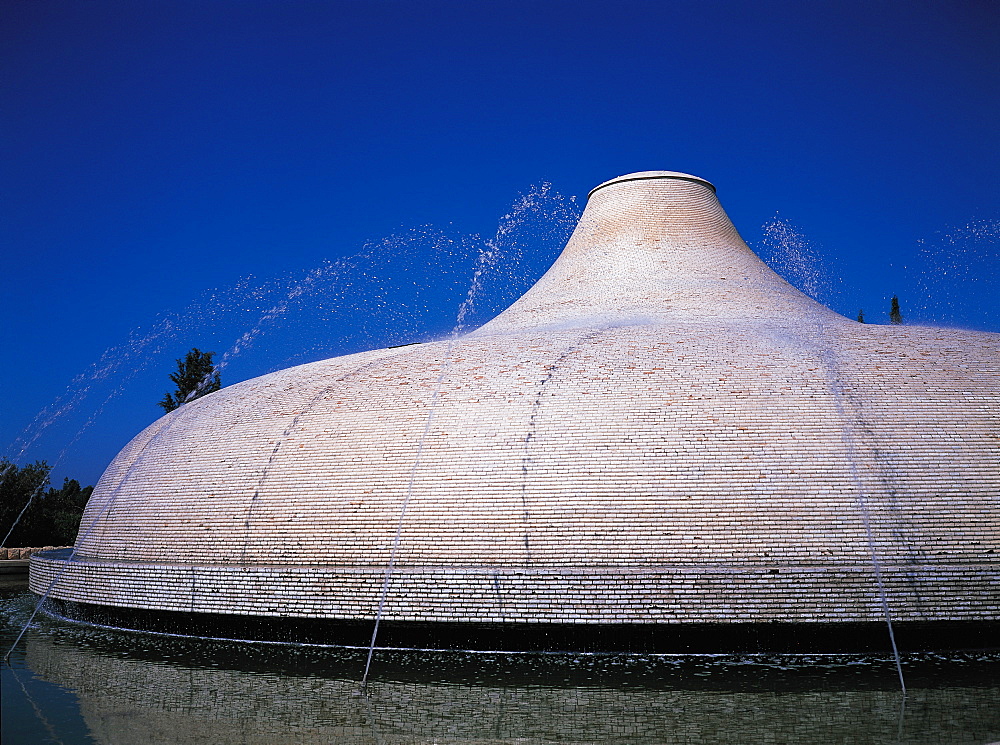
[[70, 684]]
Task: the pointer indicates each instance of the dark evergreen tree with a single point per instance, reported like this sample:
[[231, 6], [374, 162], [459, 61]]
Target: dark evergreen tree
[[895, 317], [196, 376], [861, 316], [48, 517], [63, 509], [18, 487]]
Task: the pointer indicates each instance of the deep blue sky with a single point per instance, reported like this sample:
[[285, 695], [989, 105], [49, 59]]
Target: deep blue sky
[[154, 151]]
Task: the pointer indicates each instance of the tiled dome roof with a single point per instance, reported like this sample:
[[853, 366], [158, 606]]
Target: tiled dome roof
[[662, 430]]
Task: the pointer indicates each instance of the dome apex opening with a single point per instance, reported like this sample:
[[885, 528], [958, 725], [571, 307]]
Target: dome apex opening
[[649, 175]]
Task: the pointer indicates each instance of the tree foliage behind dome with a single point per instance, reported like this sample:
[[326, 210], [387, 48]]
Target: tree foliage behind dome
[[196, 376]]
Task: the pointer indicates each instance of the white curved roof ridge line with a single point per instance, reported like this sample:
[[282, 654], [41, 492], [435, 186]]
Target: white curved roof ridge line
[[657, 246]]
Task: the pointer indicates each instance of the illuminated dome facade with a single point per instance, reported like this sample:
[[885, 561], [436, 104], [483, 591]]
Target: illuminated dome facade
[[661, 436]]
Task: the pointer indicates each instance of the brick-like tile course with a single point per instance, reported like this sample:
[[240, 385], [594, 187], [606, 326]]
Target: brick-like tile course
[[662, 429]]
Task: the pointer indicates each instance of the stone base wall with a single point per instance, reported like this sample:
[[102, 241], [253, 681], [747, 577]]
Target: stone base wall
[[583, 595], [8, 554]]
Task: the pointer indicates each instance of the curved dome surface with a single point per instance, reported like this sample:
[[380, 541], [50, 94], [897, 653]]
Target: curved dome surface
[[661, 431]]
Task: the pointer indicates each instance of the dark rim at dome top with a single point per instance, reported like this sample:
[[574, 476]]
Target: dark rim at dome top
[[648, 175]]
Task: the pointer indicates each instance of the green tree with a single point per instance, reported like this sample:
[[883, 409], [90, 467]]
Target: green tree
[[861, 316], [196, 376], [63, 509], [30, 514], [895, 317], [18, 487]]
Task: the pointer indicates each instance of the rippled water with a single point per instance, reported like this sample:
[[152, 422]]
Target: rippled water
[[70, 684]]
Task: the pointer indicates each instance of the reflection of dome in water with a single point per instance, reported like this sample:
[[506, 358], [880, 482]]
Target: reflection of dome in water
[[662, 432], [141, 698]]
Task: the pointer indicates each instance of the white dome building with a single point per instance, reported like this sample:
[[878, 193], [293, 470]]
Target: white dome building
[[662, 445]]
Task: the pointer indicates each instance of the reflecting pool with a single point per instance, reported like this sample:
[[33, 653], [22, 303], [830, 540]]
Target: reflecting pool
[[70, 684]]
